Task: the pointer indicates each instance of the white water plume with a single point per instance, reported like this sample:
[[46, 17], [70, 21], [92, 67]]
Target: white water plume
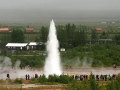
[[52, 62]]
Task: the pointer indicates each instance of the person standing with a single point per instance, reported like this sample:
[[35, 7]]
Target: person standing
[[8, 76], [114, 66], [26, 77]]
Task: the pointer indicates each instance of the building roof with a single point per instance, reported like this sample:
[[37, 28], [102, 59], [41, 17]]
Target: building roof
[[33, 43], [98, 29], [16, 44], [29, 29], [4, 29]]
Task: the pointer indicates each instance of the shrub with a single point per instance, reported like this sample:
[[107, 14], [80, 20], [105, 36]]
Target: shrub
[[53, 78], [33, 80], [65, 79], [1, 80], [18, 81], [114, 85], [10, 81], [42, 79], [77, 85]]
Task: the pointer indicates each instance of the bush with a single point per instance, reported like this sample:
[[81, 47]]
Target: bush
[[1, 80], [33, 80], [10, 81], [4, 52], [65, 79], [77, 85], [18, 81], [42, 79], [114, 85], [53, 78]]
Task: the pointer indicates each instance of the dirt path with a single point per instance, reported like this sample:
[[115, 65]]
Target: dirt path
[[32, 87]]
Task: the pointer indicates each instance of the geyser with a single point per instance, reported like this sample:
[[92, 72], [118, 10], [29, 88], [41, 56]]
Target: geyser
[[52, 62]]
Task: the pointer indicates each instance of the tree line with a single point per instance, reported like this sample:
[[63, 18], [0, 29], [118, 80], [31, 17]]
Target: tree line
[[69, 36]]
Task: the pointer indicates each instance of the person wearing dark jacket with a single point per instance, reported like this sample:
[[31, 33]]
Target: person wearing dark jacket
[[26, 77]]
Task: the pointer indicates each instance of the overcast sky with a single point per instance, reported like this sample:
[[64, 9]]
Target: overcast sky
[[60, 10]]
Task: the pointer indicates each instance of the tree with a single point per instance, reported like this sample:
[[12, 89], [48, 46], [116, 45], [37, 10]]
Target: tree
[[5, 38], [43, 37], [104, 35], [17, 36], [117, 38], [94, 35], [43, 34], [62, 36], [80, 36], [70, 29], [83, 37]]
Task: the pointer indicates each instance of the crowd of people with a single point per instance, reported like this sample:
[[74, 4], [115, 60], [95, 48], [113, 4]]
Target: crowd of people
[[96, 77], [80, 77], [86, 77]]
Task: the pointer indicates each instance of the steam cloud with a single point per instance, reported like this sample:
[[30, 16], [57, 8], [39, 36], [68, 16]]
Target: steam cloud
[[6, 67]]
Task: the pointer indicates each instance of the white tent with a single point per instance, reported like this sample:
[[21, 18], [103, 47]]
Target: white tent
[[16, 44]]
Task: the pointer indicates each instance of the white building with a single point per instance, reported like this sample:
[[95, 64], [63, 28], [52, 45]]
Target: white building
[[32, 45], [16, 45]]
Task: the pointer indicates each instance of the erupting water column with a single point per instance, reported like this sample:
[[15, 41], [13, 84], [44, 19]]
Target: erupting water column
[[52, 62]]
